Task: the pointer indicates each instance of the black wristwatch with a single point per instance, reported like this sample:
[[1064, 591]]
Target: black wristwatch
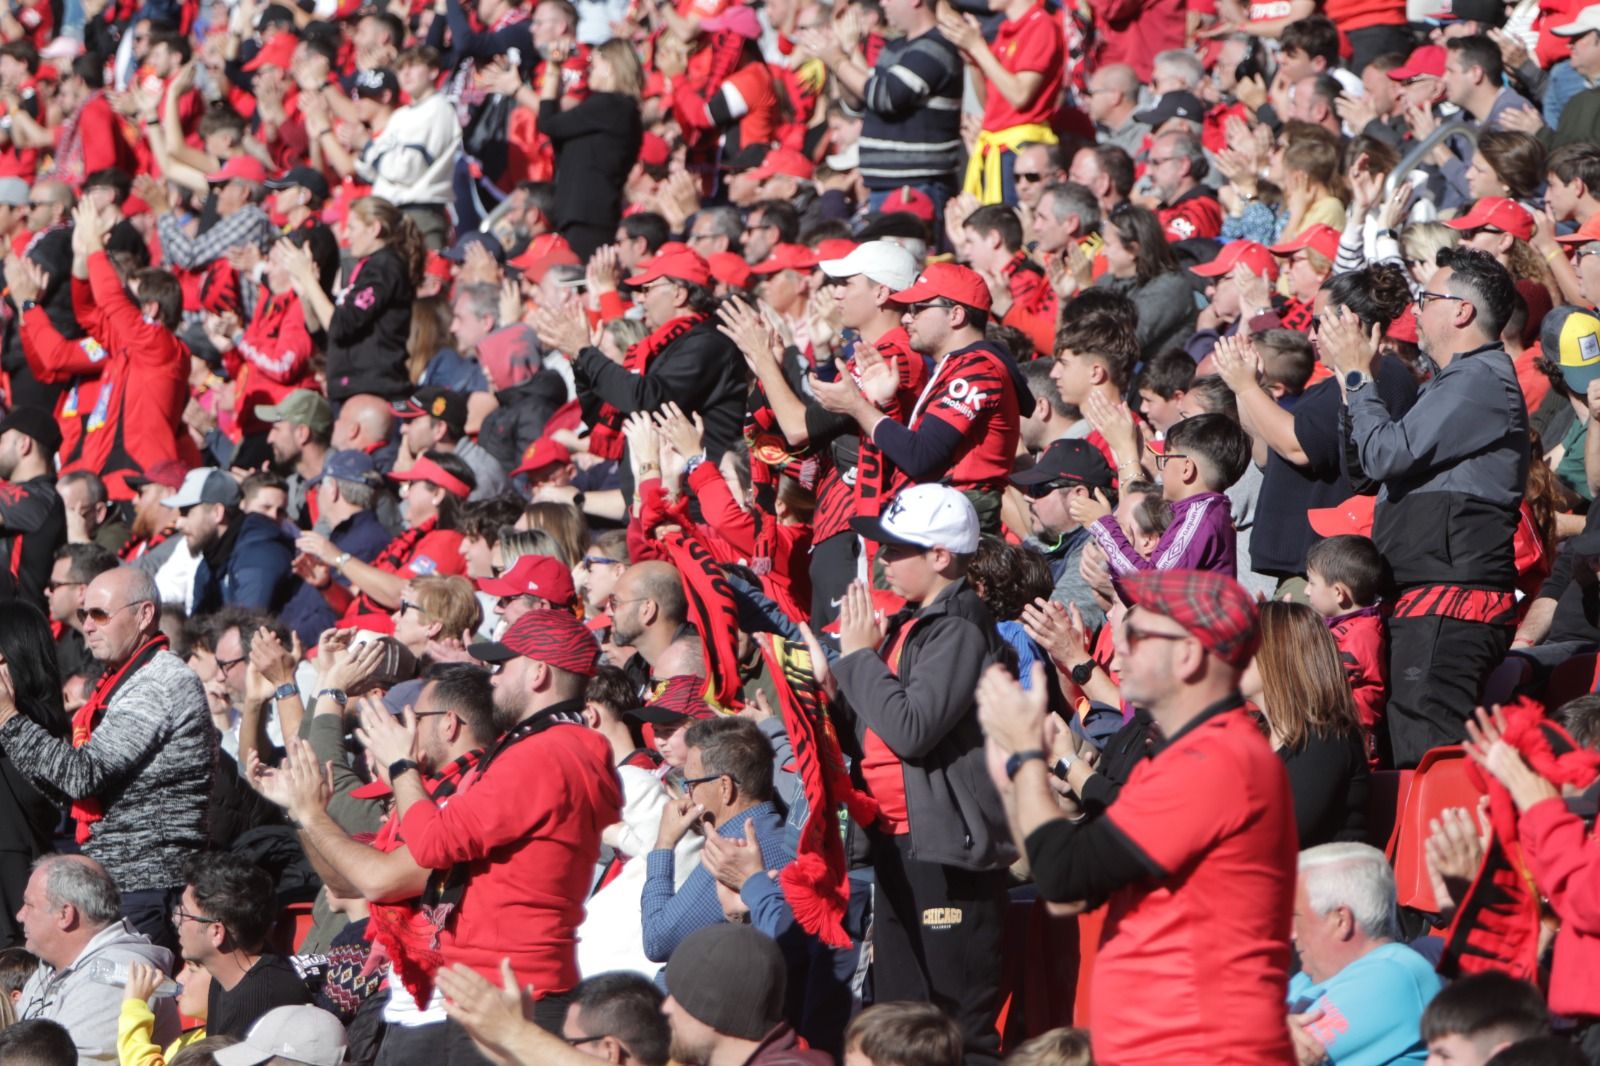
[[400, 766], [29, 305], [1017, 761], [338, 695], [1083, 672]]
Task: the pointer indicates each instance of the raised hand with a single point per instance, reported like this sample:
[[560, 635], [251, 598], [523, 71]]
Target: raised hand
[[861, 627], [686, 437], [1012, 717]]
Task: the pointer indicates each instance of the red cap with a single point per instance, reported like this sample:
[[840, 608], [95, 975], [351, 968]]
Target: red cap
[[1496, 212], [729, 268], [438, 266], [278, 52], [534, 575], [240, 168], [784, 161], [540, 454], [1404, 326], [1257, 259], [675, 699], [1589, 231], [679, 264], [553, 637], [786, 257], [544, 251], [425, 469], [1215, 609], [953, 282], [835, 248], [654, 151], [1320, 238], [909, 200], [1352, 516], [1427, 61]]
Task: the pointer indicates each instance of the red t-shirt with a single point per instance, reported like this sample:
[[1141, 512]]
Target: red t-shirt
[[1193, 967], [1032, 43], [972, 393]]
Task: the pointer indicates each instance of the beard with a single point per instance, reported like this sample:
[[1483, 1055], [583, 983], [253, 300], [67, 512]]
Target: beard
[[509, 709], [680, 1051], [622, 635]]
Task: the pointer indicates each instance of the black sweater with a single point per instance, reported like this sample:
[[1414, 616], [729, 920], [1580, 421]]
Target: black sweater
[[596, 144], [1328, 778], [370, 328]]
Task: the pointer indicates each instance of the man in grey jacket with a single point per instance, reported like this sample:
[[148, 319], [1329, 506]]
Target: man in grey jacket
[[940, 845], [71, 916], [138, 765]]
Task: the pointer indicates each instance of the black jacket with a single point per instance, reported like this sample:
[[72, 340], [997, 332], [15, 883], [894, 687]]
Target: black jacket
[[519, 420], [370, 329], [596, 144], [701, 371]]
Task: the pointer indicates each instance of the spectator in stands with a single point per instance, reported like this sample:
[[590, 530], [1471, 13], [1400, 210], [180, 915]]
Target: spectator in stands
[[38, 1042], [436, 420], [89, 514], [147, 749], [727, 788], [223, 919], [244, 558], [300, 424], [1458, 461], [71, 916], [32, 517], [939, 842], [1067, 470], [297, 1036], [75, 566], [1140, 265], [1345, 579], [902, 1034], [1113, 97], [1478, 1015], [345, 489], [1311, 720], [1181, 649], [1360, 992]]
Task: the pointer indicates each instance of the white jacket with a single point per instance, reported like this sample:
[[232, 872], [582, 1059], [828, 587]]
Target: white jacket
[[413, 160]]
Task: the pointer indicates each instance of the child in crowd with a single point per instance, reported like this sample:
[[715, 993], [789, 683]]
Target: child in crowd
[[134, 1029], [1345, 578], [1474, 1017], [902, 1034], [1203, 456], [16, 966], [1058, 1047]]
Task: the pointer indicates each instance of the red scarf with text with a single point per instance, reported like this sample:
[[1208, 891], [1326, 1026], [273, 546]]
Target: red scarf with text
[[87, 811], [605, 436]]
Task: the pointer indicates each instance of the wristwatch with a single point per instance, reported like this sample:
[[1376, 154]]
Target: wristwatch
[[1062, 766], [285, 691], [29, 305], [337, 695], [1356, 380], [400, 766], [340, 560], [1083, 672], [1016, 762]]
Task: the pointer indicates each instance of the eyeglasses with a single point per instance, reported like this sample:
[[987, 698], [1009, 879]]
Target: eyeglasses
[[690, 782], [229, 664], [1424, 296], [916, 309], [589, 562], [179, 916], [52, 586], [408, 605], [1164, 159], [579, 1041], [1134, 634], [1029, 176], [100, 616], [1039, 492], [1166, 457]]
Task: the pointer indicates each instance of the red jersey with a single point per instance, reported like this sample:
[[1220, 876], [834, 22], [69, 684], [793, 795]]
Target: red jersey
[[272, 358], [1193, 965], [1364, 653], [422, 551], [1030, 43], [1034, 304], [1194, 214], [972, 392]]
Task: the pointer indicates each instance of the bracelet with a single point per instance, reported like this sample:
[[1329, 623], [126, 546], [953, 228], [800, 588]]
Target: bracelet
[[1552, 254], [648, 468]]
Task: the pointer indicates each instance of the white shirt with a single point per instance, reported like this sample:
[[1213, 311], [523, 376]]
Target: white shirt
[[414, 159]]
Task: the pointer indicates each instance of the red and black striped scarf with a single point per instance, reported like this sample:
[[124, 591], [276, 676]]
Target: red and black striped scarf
[[711, 611], [88, 810], [605, 436]]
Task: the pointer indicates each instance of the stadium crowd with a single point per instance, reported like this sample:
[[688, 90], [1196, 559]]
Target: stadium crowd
[[870, 532]]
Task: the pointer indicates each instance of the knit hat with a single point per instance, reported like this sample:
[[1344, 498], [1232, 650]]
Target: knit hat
[[731, 978]]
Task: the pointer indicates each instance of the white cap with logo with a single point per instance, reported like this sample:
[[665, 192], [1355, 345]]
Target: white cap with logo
[[925, 516], [302, 1034], [884, 262]]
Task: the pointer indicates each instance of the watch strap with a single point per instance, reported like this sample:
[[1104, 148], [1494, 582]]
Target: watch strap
[[1082, 672], [1020, 759], [400, 766], [336, 694], [285, 691]]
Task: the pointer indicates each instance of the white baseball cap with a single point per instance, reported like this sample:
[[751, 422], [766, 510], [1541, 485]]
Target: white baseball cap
[[881, 261], [295, 1034], [205, 484], [925, 516], [1588, 20]]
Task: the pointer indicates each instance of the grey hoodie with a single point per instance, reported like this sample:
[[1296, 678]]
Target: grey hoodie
[[86, 1004]]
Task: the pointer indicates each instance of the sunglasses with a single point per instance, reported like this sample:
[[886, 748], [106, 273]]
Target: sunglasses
[[100, 616], [1039, 492], [1029, 176], [917, 309]]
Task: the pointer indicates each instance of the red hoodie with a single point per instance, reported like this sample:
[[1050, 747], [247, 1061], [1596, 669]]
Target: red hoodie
[[1565, 862], [1364, 652]]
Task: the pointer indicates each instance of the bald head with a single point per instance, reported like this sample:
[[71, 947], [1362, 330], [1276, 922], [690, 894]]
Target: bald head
[[363, 422], [660, 582]]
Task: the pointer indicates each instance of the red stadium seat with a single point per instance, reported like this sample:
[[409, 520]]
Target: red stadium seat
[[294, 922], [1439, 782]]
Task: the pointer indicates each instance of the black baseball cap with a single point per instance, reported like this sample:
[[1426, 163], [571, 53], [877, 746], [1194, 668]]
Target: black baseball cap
[[747, 158], [447, 405], [302, 178], [1073, 461], [37, 423], [1175, 104]]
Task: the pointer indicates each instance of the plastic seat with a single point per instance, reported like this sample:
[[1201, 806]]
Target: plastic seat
[[1439, 782]]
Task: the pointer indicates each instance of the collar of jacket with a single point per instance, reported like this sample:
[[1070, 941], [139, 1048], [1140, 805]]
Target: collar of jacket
[[1460, 358], [1233, 701]]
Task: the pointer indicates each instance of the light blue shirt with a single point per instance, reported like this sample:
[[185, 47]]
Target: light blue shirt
[[1372, 1009]]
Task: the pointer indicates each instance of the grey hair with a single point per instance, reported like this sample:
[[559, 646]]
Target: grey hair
[[725, 220], [90, 480], [358, 494], [141, 587], [1183, 63], [1352, 875], [1191, 149], [1124, 78], [482, 299], [1068, 198], [82, 883], [915, 245]]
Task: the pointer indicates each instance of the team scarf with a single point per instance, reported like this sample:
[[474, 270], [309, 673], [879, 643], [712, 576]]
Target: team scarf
[[713, 612], [1496, 927], [817, 883], [770, 459], [88, 810], [404, 933], [605, 436]]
